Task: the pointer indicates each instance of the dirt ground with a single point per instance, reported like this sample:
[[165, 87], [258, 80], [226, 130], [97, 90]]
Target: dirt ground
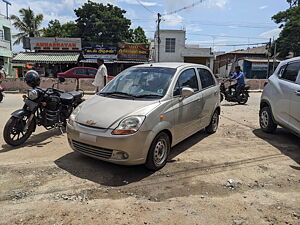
[[44, 182]]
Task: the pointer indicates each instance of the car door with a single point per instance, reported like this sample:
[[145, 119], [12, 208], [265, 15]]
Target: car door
[[287, 88], [294, 118], [92, 73], [80, 73], [187, 110], [210, 95]]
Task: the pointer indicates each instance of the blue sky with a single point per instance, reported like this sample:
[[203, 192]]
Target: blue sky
[[213, 23]]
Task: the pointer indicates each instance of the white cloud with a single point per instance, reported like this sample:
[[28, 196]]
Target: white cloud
[[175, 4], [172, 20], [271, 33], [193, 29], [134, 2], [263, 7]]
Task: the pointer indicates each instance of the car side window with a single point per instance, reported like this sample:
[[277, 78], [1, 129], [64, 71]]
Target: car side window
[[80, 71], [206, 78], [92, 72], [281, 70], [187, 78], [291, 72]]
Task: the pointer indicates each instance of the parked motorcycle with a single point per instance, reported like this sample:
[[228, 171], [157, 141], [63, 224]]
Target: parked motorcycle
[[230, 95], [1, 92], [43, 107]]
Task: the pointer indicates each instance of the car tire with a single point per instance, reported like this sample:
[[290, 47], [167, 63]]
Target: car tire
[[214, 123], [266, 120], [158, 152]]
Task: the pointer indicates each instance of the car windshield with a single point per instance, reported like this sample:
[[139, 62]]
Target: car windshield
[[141, 82]]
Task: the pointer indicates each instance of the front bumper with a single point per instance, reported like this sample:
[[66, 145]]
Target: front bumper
[[101, 144]]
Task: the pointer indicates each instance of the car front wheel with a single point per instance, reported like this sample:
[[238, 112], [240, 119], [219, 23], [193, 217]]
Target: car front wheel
[[158, 152], [266, 121]]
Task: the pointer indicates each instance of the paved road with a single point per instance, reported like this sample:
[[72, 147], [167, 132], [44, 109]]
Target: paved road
[[44, 182]]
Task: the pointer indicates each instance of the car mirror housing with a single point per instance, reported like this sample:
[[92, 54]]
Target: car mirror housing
[[187, 92]]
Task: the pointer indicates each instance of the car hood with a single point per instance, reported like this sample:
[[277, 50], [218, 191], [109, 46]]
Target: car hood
[[105, 112]]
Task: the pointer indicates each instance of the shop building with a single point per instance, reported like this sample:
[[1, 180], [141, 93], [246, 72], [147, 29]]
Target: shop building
[[5, 45], [48, 56]]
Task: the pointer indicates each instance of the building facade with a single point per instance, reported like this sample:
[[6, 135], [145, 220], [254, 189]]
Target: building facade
[[172, 48], [5, 45]]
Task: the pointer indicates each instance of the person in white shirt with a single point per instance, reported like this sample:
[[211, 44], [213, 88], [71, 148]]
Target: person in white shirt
[[101, 76]]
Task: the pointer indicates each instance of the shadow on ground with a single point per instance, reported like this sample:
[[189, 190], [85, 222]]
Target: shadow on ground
[[115, 175], [36, 140], [284, 141]]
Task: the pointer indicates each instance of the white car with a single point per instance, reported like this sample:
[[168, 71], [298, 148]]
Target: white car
[[280, 101]]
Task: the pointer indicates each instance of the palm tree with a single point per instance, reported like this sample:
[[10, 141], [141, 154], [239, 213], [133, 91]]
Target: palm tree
[[28, 24]]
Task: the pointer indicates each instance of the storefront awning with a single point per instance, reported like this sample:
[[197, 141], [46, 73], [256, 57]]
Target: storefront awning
[[116, 61], [47, 57]]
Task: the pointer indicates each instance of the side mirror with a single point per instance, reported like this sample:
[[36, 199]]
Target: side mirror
[[187, 92], [61, 79]]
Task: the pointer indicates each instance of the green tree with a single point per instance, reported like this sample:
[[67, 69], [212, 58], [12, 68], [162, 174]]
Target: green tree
[[137, 35], [28, 24], [102, 24], [289, 38], [55, 29]]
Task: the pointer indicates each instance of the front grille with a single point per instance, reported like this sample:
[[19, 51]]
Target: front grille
[[92, 150]]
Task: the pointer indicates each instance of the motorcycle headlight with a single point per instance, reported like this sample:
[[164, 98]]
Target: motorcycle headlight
[[129, 125], [33, 94], [73, 115]]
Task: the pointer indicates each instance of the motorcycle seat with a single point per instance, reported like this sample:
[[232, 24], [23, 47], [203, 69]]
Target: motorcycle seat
[[66, 98], [247, 87], [76, 94]]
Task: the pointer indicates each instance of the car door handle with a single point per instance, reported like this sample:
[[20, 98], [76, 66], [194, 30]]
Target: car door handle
[[216, 93], [297, 92]]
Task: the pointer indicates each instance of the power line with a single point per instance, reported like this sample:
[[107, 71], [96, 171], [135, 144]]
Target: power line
[[145, 7], [184, 8]]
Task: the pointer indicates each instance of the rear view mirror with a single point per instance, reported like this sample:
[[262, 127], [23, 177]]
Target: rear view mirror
[[187, 92], [61, 79]]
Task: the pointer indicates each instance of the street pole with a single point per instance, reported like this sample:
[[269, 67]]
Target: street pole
[[269, 48], [274, 59], [158, 35]]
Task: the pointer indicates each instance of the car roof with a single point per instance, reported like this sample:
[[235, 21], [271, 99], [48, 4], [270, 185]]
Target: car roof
[[291, 60], [174, 65]]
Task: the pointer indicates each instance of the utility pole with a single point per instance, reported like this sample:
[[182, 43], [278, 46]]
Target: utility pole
[[269, 51], [158, 35], [275, 52]]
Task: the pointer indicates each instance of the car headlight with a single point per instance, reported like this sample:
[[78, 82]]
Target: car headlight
[[129, 125], [74, 114], [33, 94]]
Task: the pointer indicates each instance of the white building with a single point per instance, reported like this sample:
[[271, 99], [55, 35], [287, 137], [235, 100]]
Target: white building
[[172, 48]]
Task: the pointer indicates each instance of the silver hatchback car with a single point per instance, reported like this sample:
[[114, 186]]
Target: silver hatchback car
[[280, 100], [144, 111]]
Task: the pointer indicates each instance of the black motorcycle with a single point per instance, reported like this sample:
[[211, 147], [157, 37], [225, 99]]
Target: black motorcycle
[[231, 96], [43, 107]]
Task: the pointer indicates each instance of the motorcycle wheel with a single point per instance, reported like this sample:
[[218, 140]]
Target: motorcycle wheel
[[1, 97], [13, 131], [242, 98]]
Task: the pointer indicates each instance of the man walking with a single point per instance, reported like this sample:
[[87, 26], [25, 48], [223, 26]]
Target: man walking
[[101, 76]]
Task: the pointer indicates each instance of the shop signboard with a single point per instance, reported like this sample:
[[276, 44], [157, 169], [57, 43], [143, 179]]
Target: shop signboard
[[53, 44], [106, 53], [133, 51]]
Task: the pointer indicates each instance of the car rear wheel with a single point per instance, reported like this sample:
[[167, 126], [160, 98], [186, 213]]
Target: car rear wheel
[[266, 121], [158, 152]]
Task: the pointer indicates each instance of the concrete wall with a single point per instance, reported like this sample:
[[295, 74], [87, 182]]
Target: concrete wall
[[18, 84]]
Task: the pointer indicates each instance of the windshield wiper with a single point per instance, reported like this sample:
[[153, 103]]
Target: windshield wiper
[[117, 93], [148, 95]]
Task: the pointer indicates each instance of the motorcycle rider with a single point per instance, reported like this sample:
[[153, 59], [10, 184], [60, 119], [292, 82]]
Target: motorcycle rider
[[239, 76]]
